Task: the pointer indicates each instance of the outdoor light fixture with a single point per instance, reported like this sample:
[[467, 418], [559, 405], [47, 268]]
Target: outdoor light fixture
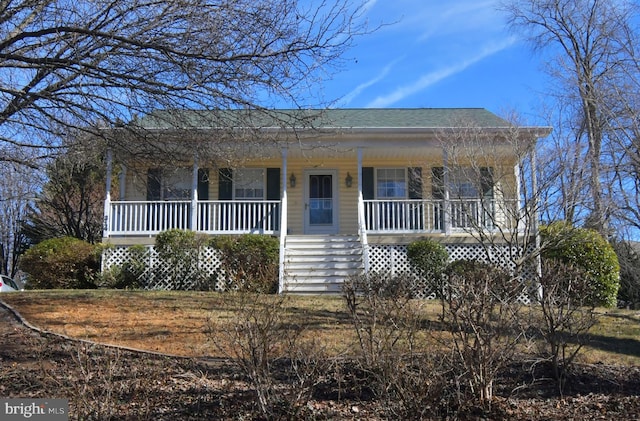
[[349, 180], [292, 180]]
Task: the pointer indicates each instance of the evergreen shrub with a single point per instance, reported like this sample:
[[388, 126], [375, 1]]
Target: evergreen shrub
[[429, 259], [588, 250], [249, 262], [64, 262]]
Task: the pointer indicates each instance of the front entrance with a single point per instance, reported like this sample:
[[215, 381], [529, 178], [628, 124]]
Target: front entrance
[[320, 202]]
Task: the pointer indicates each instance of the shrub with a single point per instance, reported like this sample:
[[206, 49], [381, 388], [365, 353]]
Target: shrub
[[249, 262], [429, 259], [481, 312], [564, 316], [586, 249], [382, 313], [408, 381], [130, 274], [65, 262], [282, 366], [179, 252]]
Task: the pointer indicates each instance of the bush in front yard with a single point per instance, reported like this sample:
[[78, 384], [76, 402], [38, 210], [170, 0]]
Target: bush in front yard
[[481, 312], [586, 249], [429, 259], [179, 251], [131, 273], [249, 262], [65, 262]]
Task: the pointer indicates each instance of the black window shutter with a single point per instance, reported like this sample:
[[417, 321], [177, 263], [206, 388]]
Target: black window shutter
[[154, 177], [203, 184], [273, 183], [486, 182], [437, 183], [415, 183], [225, 184], [368, 187]]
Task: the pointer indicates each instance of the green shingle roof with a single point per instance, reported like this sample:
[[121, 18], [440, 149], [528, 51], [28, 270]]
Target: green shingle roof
[[363, 118]]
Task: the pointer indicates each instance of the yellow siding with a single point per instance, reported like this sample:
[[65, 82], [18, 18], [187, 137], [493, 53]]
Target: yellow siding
[[347, 196]]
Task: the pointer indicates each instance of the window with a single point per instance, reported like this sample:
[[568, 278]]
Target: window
[[470, 192], [163, 184], [248, 184], [391, 183], [470, 183], [176, 184], [464, 183]]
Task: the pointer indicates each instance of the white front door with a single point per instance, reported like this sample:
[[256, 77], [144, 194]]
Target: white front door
[[321, 202]]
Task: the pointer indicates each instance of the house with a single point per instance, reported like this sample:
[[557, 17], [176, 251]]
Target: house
[[345, 190]]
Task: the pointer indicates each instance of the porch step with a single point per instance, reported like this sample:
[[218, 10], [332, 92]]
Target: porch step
[[321, 263]]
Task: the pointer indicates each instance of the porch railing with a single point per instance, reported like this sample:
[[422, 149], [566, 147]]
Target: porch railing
[[211, 217], [264, 217], [416, 216], [239, 217]]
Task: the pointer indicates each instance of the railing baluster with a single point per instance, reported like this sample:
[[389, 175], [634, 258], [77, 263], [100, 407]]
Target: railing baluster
[[419, 215]]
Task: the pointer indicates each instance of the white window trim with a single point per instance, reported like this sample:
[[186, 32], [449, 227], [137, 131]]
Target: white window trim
[[264, 184], [375, 183], [176, 176]]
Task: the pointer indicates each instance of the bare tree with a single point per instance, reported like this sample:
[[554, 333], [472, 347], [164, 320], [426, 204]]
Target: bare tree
[[491, 193], [591, 42], [87, 63], [17, 188]]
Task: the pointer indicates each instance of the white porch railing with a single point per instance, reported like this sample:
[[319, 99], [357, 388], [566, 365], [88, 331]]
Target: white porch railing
[[239, 217], [472, 213], [264, 217], [383, 216], [418, 216], [211, 217]]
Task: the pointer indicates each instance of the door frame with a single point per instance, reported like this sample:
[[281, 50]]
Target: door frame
[[321, 229]]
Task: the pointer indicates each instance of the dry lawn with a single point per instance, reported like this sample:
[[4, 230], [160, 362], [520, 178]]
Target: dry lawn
[[197, 324], [180, 323]]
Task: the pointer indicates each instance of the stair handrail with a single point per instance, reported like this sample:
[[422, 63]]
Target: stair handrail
[[283, 236], [362, 232]]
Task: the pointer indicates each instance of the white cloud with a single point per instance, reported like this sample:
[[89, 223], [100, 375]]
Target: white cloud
[[360, 88], [438, 75], [462, 18], [369, 5]]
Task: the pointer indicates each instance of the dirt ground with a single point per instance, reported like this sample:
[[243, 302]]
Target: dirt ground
[[109, 383]]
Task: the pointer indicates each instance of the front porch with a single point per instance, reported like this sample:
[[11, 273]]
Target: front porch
[[215, 217], [314, 263]]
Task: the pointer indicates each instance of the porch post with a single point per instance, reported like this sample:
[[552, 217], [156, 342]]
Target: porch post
[[194, 194], [516, 173], [447, 202], [361, 217], [284, 171], [283, 221], [534, 216], [107, 198]]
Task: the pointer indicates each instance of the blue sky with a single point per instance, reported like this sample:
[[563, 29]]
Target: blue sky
[[436, 53]]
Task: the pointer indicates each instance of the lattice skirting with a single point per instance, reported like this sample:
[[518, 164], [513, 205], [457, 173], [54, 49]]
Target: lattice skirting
[[393, 259], [206, 273]]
